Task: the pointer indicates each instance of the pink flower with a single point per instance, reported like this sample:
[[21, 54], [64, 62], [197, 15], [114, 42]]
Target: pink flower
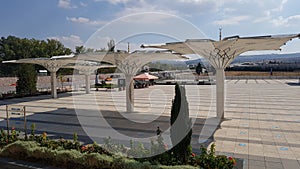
[[13, 128], [193, 154], [83, 148]]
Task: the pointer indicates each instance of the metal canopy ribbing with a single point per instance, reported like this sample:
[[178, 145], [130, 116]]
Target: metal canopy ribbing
[[54, 63], [130, 63], [51, 64], [221, 53], [87, 70]]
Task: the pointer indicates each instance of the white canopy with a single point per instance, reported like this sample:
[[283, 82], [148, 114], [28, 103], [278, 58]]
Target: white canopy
[[128, 63], [221, 53]]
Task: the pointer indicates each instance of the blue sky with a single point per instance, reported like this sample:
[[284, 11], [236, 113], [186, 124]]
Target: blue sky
[[76, 22]]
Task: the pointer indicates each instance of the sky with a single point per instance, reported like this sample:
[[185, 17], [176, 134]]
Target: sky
[[93, 23]]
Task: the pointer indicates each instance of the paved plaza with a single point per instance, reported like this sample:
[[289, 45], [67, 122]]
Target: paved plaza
[[262, 122]]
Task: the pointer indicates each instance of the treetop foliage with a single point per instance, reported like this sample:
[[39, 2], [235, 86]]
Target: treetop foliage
[[13, 48]]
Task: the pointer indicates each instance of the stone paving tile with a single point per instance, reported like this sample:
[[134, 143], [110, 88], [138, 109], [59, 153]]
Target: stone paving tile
[[272, 159], [274, 165], [264, 115], [257, 163], [290, 164]]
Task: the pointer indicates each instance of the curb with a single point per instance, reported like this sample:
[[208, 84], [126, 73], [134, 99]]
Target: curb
[[7, 163]]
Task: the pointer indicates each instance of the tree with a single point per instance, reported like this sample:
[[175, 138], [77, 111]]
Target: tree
[[82, 49], [199, 68], [79, 49], [111, 45], [27, 78], [13, 48], [181, 127]]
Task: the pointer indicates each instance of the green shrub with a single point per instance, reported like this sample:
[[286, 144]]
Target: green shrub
[[97, 160], [138, 151], [209, 160], [30, 150], [18, 149], [181, 126], [113, 148], [177, 167]]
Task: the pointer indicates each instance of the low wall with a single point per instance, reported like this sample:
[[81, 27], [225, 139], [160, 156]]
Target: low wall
[[7, 84]]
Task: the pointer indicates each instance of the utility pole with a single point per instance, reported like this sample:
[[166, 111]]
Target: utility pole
[[220, 34], [128, 50]]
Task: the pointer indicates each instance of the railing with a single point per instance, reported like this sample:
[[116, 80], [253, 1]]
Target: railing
[[262, 77]]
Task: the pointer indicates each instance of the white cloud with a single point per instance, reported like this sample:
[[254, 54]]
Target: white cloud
[[196, 1], [84, 20], [289, 21], [144, 15], [266, 17], [83, 4], [280, 7], [69, 41], [115, 2], [65, 4], [97, 42], [144, 10], [229, 10], [100, 42], [232, 21]]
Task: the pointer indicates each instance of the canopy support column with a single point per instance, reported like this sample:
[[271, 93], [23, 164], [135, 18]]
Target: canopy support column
[[87, 83], [53, 84], [220, 99], [129, 94]]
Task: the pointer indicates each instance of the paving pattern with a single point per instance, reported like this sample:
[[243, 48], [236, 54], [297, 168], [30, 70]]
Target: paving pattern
[[264, 126], [262, 122]]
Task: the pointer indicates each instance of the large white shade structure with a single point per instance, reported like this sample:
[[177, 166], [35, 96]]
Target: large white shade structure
[[127, 63], [131, 63], [54, 63], [51, 64], [221, 53]]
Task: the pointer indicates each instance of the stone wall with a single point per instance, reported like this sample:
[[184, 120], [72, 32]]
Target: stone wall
[[7, 84]]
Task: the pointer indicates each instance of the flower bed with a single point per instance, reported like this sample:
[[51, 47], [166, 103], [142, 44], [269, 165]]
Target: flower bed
[[73, 154]]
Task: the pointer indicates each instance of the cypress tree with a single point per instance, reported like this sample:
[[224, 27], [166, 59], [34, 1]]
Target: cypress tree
[[27, 78], [181, 130]]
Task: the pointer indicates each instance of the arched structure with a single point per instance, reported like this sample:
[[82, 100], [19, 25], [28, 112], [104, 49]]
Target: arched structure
[[51, 64], [54, 63], [221, 53], [131, 63], [127, 63]]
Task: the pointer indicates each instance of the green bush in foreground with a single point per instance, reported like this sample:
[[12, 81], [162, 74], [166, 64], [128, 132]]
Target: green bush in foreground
[[70, 153], [32, 151]]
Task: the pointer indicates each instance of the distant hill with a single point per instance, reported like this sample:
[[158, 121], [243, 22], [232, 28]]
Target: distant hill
[[293, 57], [287, 58]]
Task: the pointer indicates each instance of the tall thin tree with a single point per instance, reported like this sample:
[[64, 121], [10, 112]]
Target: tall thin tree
[[181, 128]]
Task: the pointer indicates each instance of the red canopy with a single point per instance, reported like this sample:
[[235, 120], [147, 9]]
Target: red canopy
[[145, 76]]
